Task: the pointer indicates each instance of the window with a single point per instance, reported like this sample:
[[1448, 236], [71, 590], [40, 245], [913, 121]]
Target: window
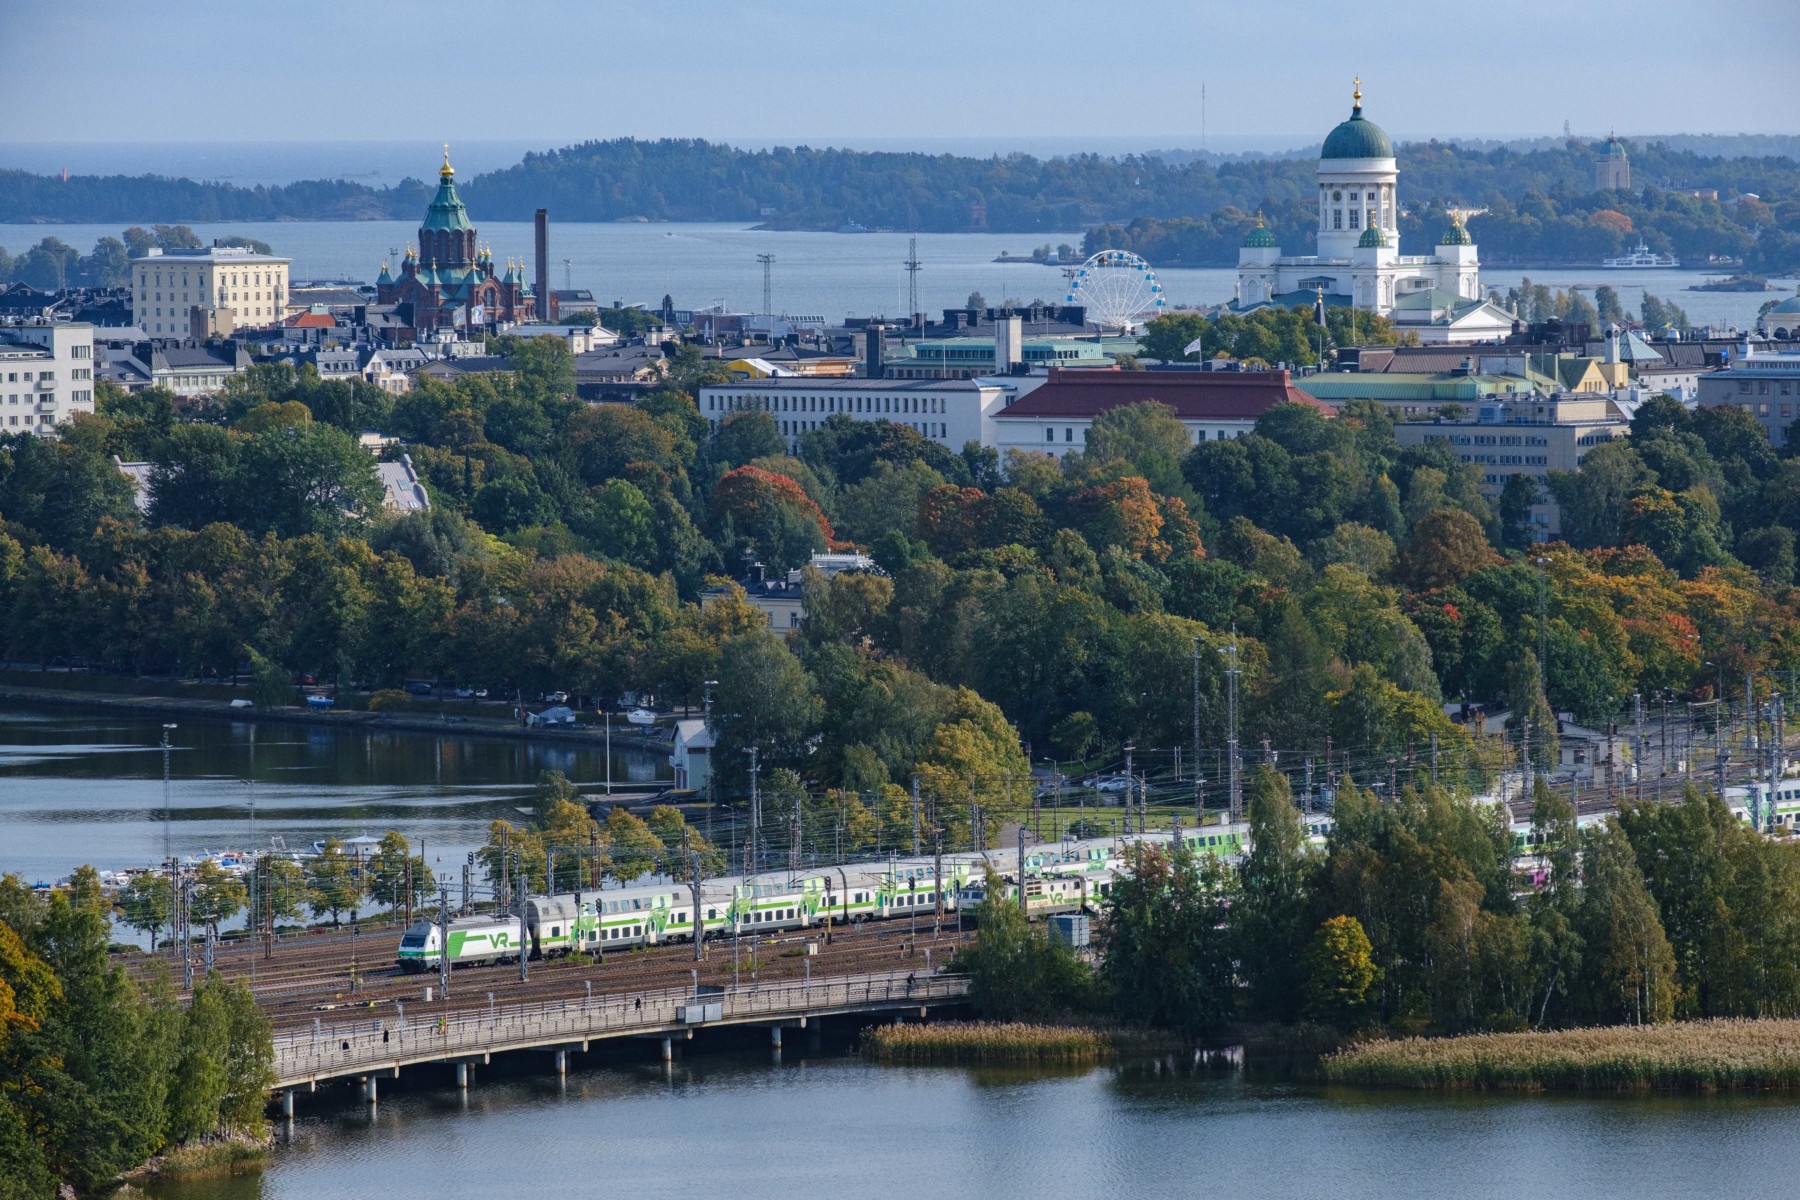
[[1068, 434], [1337, 218], [1355, 217]]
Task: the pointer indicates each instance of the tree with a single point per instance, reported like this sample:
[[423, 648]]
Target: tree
[[1167, 337], [770, 517], [393, 869], [1074, 735], [765, 699], [1016, 972], [624, 523], [270, 686], [333, 881], [1270, 913], [636, 850], [286, 891], [148, 904], [1166, 955], [1446, 547], [1516, 499], [1628, 970], [1340, 973], [215, 896], [1147, 437]]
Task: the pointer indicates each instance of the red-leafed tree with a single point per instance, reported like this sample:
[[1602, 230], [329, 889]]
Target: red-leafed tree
[[770, 518]]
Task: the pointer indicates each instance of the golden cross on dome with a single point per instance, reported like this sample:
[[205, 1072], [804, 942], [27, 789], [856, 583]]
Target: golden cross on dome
[[446, 169], [1355, 95]]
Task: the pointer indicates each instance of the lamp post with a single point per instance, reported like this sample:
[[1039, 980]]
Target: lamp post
[[166, 747]]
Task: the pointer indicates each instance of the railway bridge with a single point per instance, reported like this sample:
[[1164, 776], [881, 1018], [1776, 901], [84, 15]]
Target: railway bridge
[[370, 1048]]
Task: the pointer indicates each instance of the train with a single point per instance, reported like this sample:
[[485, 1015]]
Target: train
[[1058, 877]]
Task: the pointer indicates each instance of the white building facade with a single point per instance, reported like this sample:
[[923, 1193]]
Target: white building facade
[[950, 412], [46, 375], [207, 292], [1358, 260]]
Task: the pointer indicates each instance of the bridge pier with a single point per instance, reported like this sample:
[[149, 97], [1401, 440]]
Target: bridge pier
[[462, 1076], [369, 1088], [287, 1103], [562, 1062], [668, 1049], [775, 1036]]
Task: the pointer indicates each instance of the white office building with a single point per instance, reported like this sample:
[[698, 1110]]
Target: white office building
[[950, 412]]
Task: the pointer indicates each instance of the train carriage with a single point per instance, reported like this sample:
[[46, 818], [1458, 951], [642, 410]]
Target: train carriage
[[474, 941]]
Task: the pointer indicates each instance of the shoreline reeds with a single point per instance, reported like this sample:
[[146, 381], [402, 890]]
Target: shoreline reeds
[[1702, 1056], [986, 1043]]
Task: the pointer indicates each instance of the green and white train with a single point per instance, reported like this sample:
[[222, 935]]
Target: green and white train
[[1059, 877]]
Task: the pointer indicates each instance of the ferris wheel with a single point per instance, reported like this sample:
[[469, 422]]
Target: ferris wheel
[[1119, 289]]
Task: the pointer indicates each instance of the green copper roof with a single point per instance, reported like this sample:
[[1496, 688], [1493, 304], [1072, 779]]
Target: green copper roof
[[1613, 147], [447, 211], [1456, 235], [1259, 238], [1372, 239], [1357, 138]]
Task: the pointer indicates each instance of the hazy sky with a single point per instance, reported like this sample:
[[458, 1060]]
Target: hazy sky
[[1277, 72]]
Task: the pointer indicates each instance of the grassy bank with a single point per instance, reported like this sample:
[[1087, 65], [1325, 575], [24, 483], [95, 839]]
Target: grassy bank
[[224, 1155], [1688, 1056], [972, 1042]]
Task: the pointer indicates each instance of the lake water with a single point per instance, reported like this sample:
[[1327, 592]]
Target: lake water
[[823, 1124], [829, 275], [81, 788]]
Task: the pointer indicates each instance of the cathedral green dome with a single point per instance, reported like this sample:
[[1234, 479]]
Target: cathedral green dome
[[446, 211], [1372, 239], [1456, 235], [1358, 137], [1259, 238]]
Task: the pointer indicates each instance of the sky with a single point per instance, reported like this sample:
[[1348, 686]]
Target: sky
[[1119, 73]]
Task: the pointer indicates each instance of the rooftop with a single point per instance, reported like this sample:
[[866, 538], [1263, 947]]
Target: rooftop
[[227, 255], [1194, 395]]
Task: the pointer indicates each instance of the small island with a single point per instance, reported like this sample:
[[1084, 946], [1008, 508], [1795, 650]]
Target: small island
[[1736, 283]]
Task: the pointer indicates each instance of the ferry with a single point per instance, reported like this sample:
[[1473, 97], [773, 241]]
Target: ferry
[[1642, 257]]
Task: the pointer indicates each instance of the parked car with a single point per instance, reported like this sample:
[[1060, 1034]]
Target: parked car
[[557, 697], [418, 687], [1108, 783]]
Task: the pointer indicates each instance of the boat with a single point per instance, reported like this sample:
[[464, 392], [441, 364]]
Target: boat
[[1640, 258], [641, 716], [853, 227]]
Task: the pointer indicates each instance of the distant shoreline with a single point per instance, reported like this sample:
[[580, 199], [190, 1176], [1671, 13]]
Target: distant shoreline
[[465, 727]]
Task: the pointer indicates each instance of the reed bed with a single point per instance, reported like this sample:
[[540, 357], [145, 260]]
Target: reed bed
[[967, 1042], [1705, 1056]]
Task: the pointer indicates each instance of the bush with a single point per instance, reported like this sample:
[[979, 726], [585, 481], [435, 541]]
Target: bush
[[390, 700]]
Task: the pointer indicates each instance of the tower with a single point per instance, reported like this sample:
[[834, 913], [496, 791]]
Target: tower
[[1612, 170], [1459, 266], [447, 238], [1357, 178], [1256, 264]]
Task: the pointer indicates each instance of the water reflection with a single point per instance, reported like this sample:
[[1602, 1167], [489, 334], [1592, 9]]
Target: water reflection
[[87, 788], [823, 1123]]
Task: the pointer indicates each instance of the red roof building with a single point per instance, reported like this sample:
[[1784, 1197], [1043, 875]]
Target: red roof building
[[1054, 418]]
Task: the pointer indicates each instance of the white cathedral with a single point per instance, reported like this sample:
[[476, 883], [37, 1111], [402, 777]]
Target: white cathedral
[[1359, 261]]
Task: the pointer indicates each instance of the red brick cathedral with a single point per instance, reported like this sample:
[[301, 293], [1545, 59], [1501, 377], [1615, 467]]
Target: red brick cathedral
[[450, 283]]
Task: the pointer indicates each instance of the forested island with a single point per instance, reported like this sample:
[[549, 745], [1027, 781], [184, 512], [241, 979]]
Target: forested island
[[1174, 209]]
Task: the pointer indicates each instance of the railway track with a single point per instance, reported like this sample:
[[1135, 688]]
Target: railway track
[[330, 975]]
